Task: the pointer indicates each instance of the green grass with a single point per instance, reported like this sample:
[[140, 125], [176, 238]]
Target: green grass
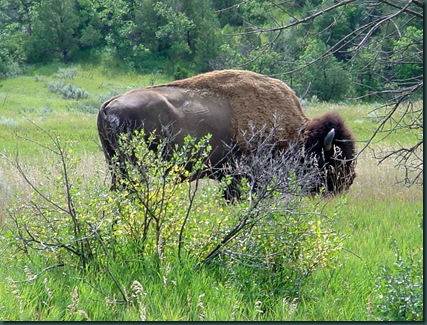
[[363, 120], [27, 97], [376, 215], [175, 292]]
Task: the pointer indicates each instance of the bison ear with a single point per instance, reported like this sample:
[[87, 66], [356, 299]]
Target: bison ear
[[327, 142]]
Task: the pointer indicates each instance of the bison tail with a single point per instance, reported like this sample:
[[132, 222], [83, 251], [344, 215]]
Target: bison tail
[[107, 122], [108, 127]]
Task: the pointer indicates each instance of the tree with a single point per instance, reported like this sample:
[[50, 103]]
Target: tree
[[54, 32], [326, 79], [228, 12], [173, 33], [204, 39], [15, 25], [120, 28], [11, 53], [92, 31]]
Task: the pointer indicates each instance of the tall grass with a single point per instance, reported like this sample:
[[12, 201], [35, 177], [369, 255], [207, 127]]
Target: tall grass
[[377, 215], [374, 217]]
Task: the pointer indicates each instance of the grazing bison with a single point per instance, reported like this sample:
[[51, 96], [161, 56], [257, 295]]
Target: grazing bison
[[223, 103]]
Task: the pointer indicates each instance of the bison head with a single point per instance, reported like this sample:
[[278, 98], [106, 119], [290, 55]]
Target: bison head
[[330, 146]]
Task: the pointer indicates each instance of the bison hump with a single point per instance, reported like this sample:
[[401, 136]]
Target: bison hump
[[255, 100]]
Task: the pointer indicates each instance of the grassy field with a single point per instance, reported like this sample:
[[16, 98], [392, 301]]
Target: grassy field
[[376, 218]]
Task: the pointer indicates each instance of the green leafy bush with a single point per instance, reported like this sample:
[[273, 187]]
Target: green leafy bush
[[271, 240], [273, 232], [180, 73], [154, 205], [398, 293]]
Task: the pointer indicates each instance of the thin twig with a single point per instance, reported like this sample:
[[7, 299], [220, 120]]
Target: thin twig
[[38, 274]]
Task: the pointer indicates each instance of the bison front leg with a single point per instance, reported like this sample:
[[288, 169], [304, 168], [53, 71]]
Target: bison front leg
[[232, 190]]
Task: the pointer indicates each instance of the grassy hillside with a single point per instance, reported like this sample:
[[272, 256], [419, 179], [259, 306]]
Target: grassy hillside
[[376, 219], [38, 97]]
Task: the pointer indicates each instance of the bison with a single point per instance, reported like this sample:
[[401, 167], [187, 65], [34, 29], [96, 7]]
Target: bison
[[223, 103]]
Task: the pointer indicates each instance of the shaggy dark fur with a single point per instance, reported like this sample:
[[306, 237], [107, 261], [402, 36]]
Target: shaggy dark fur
[[338, 163]]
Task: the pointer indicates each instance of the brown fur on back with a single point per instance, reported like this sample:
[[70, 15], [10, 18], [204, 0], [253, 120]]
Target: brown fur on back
[[254, 98]]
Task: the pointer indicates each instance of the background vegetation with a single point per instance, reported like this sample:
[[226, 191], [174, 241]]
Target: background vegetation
[[375, 46], [360, 254]]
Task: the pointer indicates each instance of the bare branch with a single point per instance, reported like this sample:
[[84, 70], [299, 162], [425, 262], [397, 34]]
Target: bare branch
[[419, 15], [379, 22], [235, 6], [39, 273], [295, 23]]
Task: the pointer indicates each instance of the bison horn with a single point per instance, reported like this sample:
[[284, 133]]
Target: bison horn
[[327, 143]]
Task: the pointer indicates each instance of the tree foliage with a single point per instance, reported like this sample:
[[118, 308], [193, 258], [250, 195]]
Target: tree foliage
[[378, 44], [326, 79], [54, 31], [206, 35]]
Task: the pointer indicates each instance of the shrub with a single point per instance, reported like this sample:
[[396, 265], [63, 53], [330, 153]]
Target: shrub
[[270, 240], [39, 78], [180, 73], [277, 237], [147, 209], [89, 108], [66, 73], [59, 219], [67, 91], [92, 106], [398, 293], [273, 232]]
